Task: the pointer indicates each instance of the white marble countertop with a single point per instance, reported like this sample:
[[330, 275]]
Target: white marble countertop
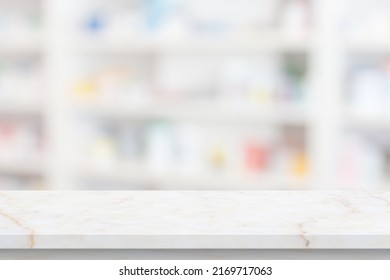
[[227, 219]]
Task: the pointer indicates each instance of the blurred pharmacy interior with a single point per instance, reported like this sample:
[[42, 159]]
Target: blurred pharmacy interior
[[195, 95]]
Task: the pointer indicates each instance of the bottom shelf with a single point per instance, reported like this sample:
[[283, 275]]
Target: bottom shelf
[[131, 178]]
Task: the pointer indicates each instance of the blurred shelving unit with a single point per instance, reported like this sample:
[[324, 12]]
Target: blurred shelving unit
[[22, 90], [254, 95], [364, 139], [157, 51]]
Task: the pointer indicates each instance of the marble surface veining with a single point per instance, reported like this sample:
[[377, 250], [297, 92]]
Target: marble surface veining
[[198, 219]]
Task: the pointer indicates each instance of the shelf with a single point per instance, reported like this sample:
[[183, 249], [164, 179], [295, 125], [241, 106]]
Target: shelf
[[22, 47], [51, 39], [27, 167], [374, 186], [271, 41], [368, 120], [279, 115], [141, 179], [368, 46], [20, 109]]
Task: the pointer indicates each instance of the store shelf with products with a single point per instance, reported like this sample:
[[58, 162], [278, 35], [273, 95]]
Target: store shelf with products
[[365, 24], [252, 80], [20, 139], [153, 153], [365, 27], [363, 150], [186, 26], [368, 85], [171, 66], [365, 139], [21, 147], [257, 94], [17, 69], [21, 29], [21, 155], [211, 88], [364, 159], [22, 95], [181, 20]]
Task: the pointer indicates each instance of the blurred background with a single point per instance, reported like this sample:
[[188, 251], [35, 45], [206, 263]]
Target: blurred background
[[195, 95]]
